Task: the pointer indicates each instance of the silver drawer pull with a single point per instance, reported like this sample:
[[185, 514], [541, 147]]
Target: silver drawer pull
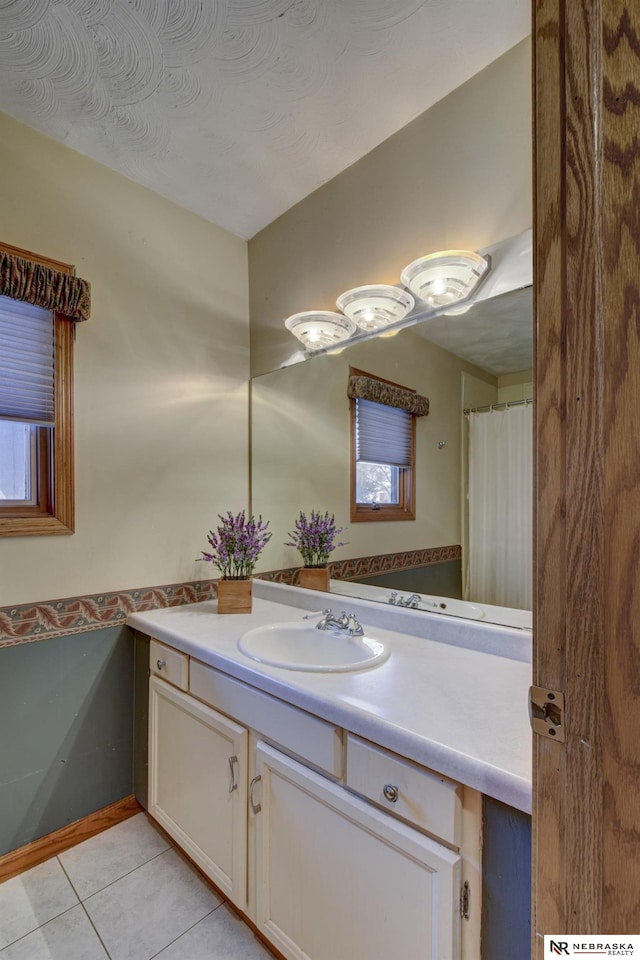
[[161, 663], [256, 807], [391, 792], [234, 783]]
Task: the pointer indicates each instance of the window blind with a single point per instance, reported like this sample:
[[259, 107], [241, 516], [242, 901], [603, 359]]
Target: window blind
[[26, 363], [383, 434]]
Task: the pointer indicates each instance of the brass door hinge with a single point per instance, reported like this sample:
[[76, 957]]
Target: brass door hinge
[[546, 712]]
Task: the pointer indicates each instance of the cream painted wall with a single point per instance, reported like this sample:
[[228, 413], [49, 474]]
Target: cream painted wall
[[457, 176], [161, 396], [515, 386], [301, 446]]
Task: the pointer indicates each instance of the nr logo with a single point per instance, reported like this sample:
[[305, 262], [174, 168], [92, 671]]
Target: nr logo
[[559, 947]]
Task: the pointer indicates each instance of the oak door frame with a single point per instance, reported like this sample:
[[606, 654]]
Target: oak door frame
[[586, 824]]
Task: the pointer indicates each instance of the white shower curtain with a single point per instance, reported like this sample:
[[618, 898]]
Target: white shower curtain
[[500, 507]]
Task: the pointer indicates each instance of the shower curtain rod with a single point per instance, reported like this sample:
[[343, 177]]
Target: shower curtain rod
[[495, 406]]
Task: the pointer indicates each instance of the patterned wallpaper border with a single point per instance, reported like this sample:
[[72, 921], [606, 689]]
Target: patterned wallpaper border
[[55, 618], [373, 565]]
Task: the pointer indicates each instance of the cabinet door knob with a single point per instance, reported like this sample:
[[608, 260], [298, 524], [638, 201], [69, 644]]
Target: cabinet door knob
[[256, 807], [391, 792], [161, 663]]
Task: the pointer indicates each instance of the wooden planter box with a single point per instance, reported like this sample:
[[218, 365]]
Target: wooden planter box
[[314, 578], [234, 596]]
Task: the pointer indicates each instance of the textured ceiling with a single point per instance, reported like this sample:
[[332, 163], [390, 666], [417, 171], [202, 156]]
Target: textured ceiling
[[237, 109]]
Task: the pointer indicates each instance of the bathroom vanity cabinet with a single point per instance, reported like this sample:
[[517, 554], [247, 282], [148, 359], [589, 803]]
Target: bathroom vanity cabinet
[[342, 812], [198, 785], [332, 846]]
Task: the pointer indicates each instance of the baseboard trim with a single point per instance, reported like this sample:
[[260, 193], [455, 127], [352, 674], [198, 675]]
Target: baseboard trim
[[31, 854]]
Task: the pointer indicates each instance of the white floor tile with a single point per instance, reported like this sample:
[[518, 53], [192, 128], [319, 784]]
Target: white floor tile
[[99, 861], [220, 936], [68, 937], [33, 898], [143, 912]]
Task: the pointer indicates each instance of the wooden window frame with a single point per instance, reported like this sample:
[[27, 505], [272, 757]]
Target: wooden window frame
[[54, 513], [405, 509]]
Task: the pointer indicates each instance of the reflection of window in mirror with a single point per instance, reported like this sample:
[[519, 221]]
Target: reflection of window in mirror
[[382, 459]]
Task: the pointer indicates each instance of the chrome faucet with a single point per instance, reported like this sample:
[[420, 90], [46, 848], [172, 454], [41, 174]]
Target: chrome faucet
[[412, 601], [346, 621]]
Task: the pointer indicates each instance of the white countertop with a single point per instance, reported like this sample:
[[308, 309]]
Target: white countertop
[[452, 696]]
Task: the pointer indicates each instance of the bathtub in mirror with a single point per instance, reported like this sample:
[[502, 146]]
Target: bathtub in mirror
[[300, 457]]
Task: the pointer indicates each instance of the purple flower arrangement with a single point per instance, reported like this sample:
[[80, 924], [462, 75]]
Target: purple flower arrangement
[[315, 537], [236, 545]]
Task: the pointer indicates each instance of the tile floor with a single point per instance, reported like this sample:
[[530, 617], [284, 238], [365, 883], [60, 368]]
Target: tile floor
[[125, 894]]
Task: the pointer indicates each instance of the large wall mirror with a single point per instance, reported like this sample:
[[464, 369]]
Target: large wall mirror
[[300, 456]]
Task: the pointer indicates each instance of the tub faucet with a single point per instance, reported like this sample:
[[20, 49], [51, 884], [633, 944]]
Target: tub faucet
[[346, 621]]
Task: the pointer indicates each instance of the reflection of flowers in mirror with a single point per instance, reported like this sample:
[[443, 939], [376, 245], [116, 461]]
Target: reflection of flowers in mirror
[[315, 537]]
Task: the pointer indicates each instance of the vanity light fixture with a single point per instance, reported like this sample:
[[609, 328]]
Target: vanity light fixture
[[445, 278], [456, 311], [375, 307], [444, 283], [319, 329]]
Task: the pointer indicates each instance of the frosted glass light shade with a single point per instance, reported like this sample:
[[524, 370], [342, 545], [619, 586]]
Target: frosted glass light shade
[[375, 307], [318, 329], [446, 277]]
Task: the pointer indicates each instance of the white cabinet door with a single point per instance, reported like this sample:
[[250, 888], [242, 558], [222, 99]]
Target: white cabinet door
[[340, 880], [198, 784]]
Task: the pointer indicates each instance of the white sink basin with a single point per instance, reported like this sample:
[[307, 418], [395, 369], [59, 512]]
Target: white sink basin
[[300, 646]]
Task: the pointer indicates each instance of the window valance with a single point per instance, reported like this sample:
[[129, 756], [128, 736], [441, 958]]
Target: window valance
[[377, 391], [31, 282]]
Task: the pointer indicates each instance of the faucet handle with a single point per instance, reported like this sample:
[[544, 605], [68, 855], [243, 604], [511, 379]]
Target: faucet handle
[[316, 613], [354, 626], [326, 619]]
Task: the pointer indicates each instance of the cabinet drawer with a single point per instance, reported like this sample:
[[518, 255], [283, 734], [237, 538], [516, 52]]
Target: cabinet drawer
[[169, 664], [298, 732], [421, 797]]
